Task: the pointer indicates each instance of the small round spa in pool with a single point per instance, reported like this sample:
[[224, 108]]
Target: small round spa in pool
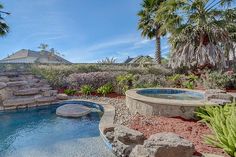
[[168, 102]]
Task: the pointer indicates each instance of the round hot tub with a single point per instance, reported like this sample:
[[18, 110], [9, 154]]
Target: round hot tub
[[168, 102]]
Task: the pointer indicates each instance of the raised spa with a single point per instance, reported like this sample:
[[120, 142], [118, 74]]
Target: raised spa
[[168, 102]]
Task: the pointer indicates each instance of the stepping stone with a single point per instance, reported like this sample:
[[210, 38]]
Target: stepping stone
[[73, 110], [29, 91]]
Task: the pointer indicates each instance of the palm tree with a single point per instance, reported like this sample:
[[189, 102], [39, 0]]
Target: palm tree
[[199, 37], [149, 26], [4, 28], [43, 47]]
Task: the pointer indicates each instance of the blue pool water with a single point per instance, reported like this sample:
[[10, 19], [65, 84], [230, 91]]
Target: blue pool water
[[41, 133], [171, 94]]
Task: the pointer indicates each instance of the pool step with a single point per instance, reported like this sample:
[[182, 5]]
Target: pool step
[[25, 92]]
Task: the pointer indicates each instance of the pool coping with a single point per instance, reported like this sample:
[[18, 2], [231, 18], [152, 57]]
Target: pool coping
[[107, 120], [134, 95]]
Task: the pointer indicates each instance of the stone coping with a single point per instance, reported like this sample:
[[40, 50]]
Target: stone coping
[[134, 95]]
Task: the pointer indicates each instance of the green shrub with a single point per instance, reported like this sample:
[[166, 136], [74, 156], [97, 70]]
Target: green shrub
[[220, 80], [105, 89], [125, 82], [70, 91], [222, 121], [190, 81], [86, 89], [176, 80]]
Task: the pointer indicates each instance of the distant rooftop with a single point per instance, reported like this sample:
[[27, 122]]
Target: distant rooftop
[[29, 56]]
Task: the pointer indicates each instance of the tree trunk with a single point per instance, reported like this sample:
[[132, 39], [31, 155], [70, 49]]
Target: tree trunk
[[158, 48]]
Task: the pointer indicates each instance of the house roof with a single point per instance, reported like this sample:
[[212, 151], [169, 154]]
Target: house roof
[[139, 59], [29, 56]]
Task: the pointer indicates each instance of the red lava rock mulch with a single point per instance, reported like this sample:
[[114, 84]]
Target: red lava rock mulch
[[190, 130]]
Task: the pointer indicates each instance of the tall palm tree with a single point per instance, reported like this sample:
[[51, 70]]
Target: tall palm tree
[[149, 26], [4, 28], [199, 37]]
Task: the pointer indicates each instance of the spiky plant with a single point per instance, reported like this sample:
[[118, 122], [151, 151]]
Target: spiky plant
[[107, 60], [4, 28], [222, 121], [198, 35]]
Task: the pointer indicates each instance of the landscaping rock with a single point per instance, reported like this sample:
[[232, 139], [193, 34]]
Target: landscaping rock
[[164, 145], [62, 96], [4, 79], [18, 101], [2, 85], [49, 93], [17, 83], [24, 92], [42, 99], [125, 139], [128, 136]]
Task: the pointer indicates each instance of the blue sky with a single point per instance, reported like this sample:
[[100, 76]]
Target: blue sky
[[82, 30]]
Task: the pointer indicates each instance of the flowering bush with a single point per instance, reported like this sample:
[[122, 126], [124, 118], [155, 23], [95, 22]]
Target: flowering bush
[[94, 79]]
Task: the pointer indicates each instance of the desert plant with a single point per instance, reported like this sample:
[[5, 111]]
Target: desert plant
[[107, 60], [86, 89], [222, 121], [70, 91], [105, 89], [125, 82]]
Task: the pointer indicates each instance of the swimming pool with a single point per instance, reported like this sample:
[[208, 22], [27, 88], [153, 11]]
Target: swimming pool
[[41, 133]]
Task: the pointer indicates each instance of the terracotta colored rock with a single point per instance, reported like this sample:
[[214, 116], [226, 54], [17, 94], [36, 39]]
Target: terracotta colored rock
[[73, 110]]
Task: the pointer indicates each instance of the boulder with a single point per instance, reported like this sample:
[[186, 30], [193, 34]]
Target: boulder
[[49, 93], [125, 139], [2, 85], [19, 101], [62, 96], [164, 145], [128, 136], [29, 91]]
